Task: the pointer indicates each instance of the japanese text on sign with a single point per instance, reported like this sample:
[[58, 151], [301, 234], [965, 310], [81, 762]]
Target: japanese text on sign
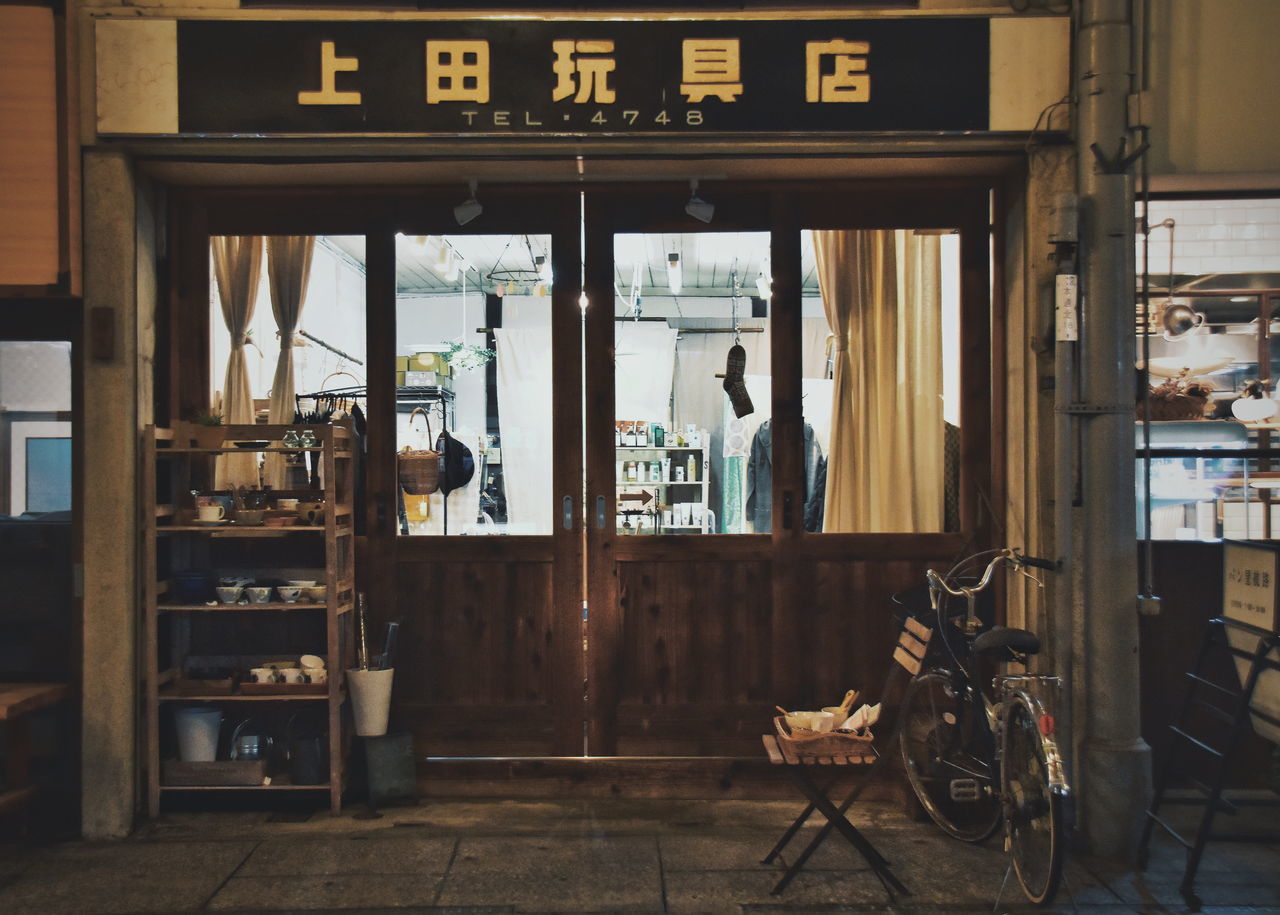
[[1249, 585]]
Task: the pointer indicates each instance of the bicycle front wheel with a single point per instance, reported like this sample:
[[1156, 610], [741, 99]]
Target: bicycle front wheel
[[947, 750], [1033, 802]]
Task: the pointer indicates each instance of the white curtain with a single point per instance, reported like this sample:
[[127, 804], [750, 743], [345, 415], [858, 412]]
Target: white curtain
[[644, 368], [881, 291], [288, 269], [524, 423], [237, 267]]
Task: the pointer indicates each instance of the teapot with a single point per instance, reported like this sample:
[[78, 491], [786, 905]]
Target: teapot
[[246, 745]]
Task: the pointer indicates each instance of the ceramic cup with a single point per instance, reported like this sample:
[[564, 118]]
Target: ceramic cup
[[264, 675], [311, 512], [288, 505], [289, 595], [229, 594], [292, 675], [316, 674], [211, 512], [258, 595]]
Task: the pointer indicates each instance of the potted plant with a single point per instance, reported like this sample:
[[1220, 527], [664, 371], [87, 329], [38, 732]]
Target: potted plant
[[208, 429]]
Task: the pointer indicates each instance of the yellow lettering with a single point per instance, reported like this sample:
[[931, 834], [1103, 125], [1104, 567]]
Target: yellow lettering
[[330, 66], [711, 67], [458, 71], [848, 82]]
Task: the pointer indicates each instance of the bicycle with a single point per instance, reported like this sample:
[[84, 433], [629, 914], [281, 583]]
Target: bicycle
[[973, 762]]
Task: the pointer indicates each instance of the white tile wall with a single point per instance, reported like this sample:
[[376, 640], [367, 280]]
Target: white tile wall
[[1215, 236]]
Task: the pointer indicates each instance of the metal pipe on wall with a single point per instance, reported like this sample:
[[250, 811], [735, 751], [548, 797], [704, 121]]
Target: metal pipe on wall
[[1114, 777]]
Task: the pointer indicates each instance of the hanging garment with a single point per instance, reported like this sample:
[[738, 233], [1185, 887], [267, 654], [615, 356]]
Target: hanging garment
[[759, 506], [814, 505]]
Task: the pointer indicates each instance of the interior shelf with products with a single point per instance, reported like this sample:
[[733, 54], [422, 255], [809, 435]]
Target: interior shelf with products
[[663, 482], [247, 600]]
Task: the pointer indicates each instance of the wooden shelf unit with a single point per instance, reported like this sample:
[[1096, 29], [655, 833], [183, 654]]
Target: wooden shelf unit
[[173, 467]]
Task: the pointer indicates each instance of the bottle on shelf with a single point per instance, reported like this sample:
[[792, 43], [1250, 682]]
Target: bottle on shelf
[[691, 471]]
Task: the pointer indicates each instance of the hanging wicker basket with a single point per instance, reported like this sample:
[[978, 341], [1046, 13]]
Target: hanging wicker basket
[[419, 470]]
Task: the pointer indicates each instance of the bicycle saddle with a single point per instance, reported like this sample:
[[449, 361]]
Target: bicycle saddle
[[1017, 640]]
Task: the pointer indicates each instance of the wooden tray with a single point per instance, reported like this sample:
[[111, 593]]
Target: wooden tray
[[174, 772], [802, 742], [284, 689], [186, 686]]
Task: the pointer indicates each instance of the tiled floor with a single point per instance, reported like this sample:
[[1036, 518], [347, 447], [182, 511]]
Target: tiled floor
[[577, 856]]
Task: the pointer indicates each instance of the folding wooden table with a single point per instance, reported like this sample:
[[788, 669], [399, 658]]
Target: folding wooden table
[[799, 767]]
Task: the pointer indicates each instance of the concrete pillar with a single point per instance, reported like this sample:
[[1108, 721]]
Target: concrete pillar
[[111, 433], [1114, 777]]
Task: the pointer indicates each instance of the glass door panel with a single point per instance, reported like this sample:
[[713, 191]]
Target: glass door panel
[[881, 380], [692, 382], [473, 345]]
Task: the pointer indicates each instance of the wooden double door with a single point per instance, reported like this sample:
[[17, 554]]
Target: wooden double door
[[591, 635]]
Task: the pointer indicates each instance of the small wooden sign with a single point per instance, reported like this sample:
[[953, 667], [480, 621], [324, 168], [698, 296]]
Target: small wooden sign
[[1249, 584]]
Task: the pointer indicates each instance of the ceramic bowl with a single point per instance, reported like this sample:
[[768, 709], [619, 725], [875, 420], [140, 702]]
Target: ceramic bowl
[[229, 595], [289, 595], [316, 594]]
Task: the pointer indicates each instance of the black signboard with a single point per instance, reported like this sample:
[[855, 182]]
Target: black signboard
[[554, 78]]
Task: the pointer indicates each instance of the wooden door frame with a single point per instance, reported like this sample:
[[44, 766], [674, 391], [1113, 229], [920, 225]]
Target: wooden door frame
[[784, 209]]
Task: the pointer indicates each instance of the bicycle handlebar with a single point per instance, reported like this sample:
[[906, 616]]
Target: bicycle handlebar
[[1009, 555]]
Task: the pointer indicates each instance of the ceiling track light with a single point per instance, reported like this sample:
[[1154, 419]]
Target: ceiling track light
[[675, 275], [470, 208], [698, 208]]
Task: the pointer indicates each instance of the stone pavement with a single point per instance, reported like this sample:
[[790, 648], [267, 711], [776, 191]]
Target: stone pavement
[[475, 856]]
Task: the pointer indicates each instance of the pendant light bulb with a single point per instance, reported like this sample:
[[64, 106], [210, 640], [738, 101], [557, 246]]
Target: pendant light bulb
[[764, 286]]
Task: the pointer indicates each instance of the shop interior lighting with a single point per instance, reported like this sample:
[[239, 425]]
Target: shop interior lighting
[[470, 208], [698, 208], [543, 266], [675, 276]]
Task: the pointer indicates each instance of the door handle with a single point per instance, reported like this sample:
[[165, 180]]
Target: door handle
[[787, 501], [567, 520], [600, 512]]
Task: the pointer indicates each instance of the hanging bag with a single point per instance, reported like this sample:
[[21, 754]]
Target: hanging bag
[[419, 471]]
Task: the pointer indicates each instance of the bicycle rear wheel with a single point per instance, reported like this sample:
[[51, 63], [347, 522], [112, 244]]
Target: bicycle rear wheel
[[947, 750], [1033, 804]]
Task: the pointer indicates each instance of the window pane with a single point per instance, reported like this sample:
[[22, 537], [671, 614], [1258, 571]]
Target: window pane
[[490, 391], [881, 380], [307, 326], [689, 308]]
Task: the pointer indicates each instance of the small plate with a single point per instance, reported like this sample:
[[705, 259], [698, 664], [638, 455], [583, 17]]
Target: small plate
[[256, 443]]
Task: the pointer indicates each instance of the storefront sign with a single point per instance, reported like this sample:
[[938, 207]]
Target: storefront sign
[[1249, 584], [554, 78]]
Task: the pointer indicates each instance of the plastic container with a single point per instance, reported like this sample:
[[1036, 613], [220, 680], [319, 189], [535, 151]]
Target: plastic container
[[370, 700], [198, 730]]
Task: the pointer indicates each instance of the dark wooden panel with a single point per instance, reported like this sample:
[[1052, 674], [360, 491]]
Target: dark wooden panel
[[694, 633], [504, 729], [846, 612], [1188, 578], [474, 634]]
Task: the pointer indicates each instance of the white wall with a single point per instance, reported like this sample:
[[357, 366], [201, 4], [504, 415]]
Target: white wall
[[1215, 236], [35, 376]]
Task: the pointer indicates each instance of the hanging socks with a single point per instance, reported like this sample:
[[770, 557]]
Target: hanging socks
[[734, 386]]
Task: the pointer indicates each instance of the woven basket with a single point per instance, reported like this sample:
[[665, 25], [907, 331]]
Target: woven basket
[[419, 471], [822, 743]]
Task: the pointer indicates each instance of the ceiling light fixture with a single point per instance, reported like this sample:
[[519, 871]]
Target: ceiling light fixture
[[543, 267], [764, 286], [675, 275], [470, 208], [698, 208]]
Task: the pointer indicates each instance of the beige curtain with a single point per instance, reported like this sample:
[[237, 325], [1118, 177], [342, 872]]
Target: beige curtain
[[237, 269], [288, 268], [882, 297]]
